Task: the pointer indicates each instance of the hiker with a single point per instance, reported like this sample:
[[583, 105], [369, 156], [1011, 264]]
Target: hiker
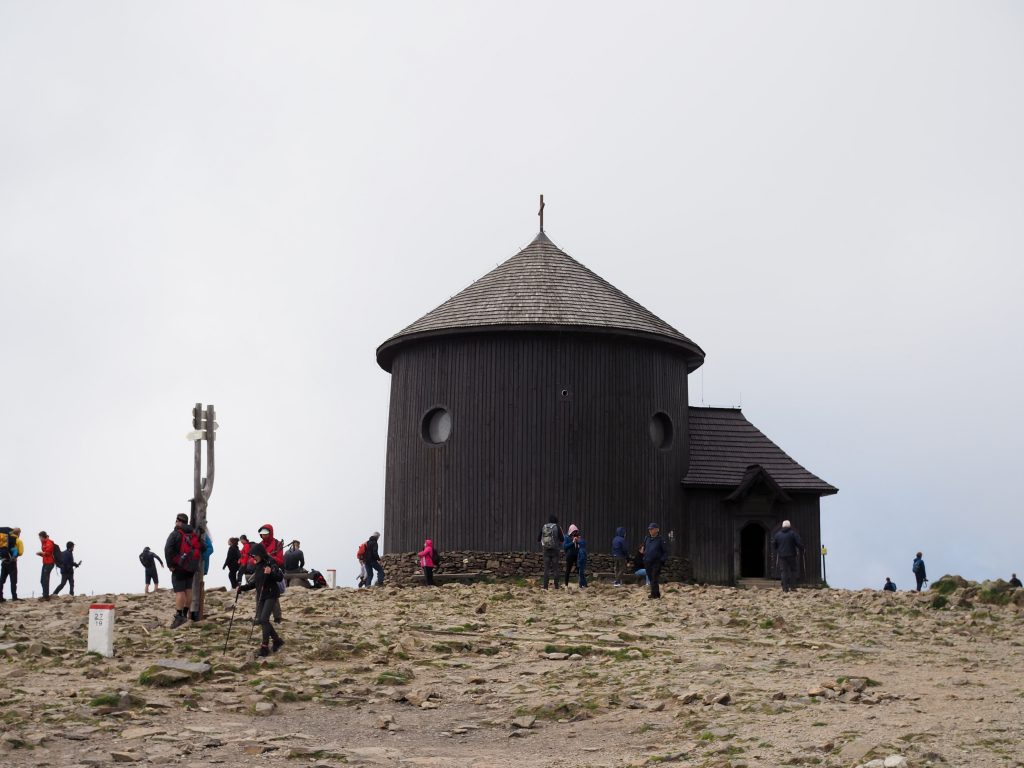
[[571, 551], [182, 552], [620, 554], [267, 574], [787, 544], [149, 559], [364, 572], [244, 561], [426, 556], [655, 555], [888, 586], [231, 561], [46, 552], [581, 558], [919, 572], [274, 547], [67, 569], [550, 539], [9, 567], [294, 559], [637, 566], [1014, 582], [372, 558], [207, 543], [317, 579]]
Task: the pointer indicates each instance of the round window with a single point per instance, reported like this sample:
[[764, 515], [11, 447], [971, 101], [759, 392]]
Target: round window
[[437, 426], [661, 430]]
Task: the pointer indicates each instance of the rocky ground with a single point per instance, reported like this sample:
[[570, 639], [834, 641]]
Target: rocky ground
[[504, 675]]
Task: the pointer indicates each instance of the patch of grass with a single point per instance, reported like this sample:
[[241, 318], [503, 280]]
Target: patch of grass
[[105, 700], [939, 602], [394, 677], [582, 650], [767, 624]]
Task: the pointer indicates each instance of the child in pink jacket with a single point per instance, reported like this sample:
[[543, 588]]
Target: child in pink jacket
[[427, 562]]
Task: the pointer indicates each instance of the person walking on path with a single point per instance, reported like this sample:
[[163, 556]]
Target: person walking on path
[[620, 554], [373, 560], [149, 559], [267, 574], [46, 552], [655, 555], [67, 569], [581, 558], [427, 561], [919, 572], [9, 568], [231, 561], [244, 561], [183, 554], [274, 547], [888, 586], [1014, 582], [788, 546], [294, 558], [570, 547], [550, 539]]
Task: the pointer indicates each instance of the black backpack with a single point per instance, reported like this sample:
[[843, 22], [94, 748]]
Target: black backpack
[[437, 560]]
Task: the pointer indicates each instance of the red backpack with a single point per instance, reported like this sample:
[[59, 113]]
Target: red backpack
[[189, 552], [361, 552]]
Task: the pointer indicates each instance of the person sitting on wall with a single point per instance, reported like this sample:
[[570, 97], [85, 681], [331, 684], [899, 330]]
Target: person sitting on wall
[[888, 586]]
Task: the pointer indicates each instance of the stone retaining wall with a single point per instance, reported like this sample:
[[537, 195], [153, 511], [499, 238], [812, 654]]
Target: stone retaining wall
[[403, 567]]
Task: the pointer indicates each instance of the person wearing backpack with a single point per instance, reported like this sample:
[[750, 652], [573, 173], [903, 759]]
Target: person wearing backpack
[[620, 553], [266, 576], [426, 556], [67, 569], [9, 569], [274, 548], [231, 561], [571, 549], [550, 539], [149, 559], [373, 560], [46, 551], [182, 552], [364, 574], [920, 574]]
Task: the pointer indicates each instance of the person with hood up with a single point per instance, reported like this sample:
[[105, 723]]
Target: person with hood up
[[570, 548], [427, 561], [920, 574], [207, 542], [265, 578], [231, 561], [655, 555], [581, 558], [788, 544], [620, 554], [550, 539], [274, 548], [373, 560], [67, 569]]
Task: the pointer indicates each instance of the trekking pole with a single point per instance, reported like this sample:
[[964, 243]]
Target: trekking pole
[[232, 621], [255, 615]]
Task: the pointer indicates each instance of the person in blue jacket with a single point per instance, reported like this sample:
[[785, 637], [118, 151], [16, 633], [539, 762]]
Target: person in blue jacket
[[207, 542], [888, 586], [581, 558], [655, 555], [620, 554]]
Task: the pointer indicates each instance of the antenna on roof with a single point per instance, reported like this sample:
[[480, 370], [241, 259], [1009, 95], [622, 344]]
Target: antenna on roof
[[541, 213]]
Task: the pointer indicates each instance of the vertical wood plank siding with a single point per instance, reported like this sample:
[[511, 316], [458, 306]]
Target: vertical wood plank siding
[[520, 450]]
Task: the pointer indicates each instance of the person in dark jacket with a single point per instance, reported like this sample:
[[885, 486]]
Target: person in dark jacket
[[655, 555], [571, 550], [620, 553], [265, 578], [550, 539], [581, 558], [231, 561], [67, 566], [181, 578], [149, 559], [1014, 581], [788, 546], [294, 559], [888, 586], [373, 560], [919, 572]]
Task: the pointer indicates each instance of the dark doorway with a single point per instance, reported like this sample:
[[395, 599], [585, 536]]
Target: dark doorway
[[753, 551]]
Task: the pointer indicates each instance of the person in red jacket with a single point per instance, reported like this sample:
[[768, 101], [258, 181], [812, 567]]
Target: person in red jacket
[[275, 553], [244, 558], [46, 552]]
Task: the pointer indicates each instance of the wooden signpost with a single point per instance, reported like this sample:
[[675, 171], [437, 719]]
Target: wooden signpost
[[204, 427]]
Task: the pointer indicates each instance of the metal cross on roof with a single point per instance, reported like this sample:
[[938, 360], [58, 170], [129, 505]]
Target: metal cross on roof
[[541, 213]]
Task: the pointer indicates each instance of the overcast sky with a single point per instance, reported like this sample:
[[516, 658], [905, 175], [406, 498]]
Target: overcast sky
[[237, 202]]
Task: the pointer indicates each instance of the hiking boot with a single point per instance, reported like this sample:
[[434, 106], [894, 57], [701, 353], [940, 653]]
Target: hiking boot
[[277, 645], [263, 651], [178, 621]]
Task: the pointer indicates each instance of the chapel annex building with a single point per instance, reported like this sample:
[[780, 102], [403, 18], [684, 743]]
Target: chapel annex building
[[542, 389]]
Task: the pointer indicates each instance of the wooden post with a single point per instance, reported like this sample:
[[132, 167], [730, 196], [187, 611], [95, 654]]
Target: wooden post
[[202, 488]]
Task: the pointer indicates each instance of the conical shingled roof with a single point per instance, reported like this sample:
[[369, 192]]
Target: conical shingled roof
[[541, 288]]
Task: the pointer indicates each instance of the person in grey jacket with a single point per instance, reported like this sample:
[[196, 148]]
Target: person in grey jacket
[[655, 554], [788, 545]]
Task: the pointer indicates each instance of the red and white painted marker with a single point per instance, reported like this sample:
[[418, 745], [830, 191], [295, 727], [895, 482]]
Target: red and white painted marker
[[101, 629]]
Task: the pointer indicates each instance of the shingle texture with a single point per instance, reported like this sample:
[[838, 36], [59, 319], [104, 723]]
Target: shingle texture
[[542, 287], [723, 444]]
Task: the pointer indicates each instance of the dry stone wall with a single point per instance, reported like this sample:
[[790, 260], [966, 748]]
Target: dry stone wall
[[403, 567]]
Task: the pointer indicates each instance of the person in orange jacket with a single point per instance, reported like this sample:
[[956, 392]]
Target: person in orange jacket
[[46, 552]]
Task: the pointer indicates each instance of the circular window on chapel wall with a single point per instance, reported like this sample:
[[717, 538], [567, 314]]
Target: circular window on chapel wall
[[661, 430], [437, 426]]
